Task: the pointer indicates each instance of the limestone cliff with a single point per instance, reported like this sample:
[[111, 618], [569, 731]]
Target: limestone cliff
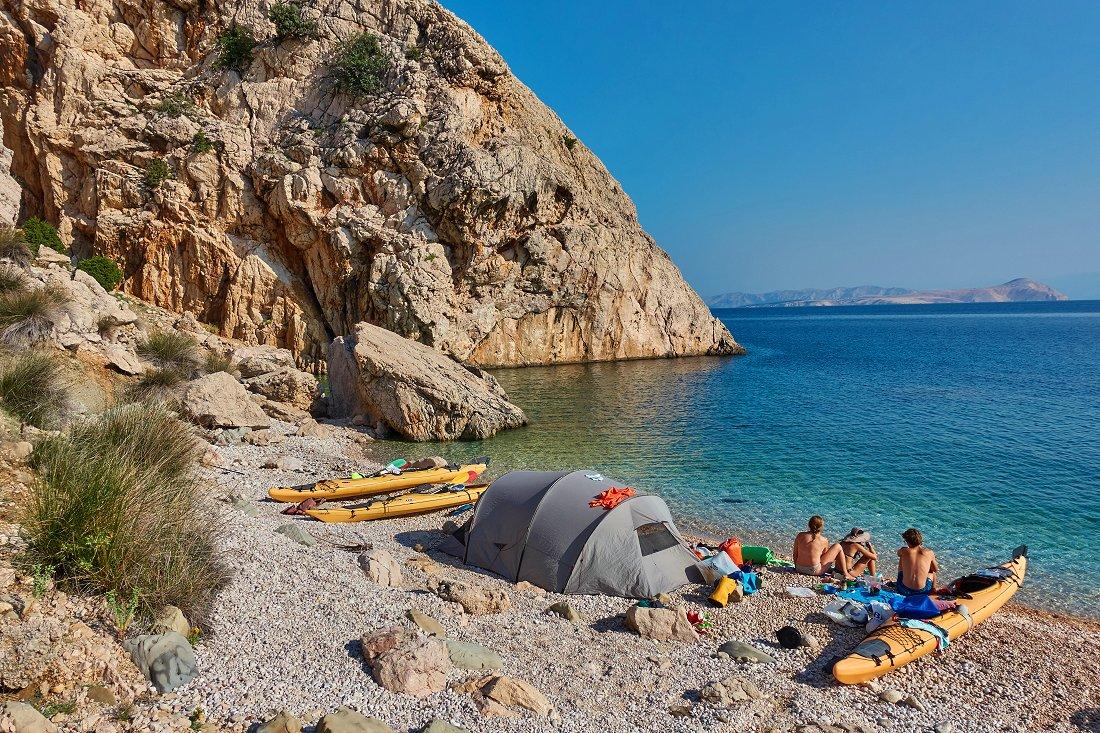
[[450, 206]]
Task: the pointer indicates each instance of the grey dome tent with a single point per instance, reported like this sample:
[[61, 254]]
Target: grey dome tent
[[537, 526]]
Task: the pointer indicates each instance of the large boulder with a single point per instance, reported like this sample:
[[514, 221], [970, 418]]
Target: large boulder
[[413, 389], [219, 401], [19, 717], [405, 660], [380, 567], [274, 374], [27, 648]]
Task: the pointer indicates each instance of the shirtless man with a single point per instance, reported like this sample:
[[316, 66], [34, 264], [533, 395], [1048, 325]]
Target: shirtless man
[[917, 566], [813, 555]]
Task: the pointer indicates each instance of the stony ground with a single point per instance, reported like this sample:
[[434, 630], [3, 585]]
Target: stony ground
[[286, 630]]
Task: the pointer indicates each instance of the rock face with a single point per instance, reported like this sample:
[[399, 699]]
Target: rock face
[[380, 567], [9, 189], [452, 206], [414, 390]]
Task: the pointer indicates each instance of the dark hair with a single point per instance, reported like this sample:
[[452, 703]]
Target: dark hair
[[912, 537], [816, 524]]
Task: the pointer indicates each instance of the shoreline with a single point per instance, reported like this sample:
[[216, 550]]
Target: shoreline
[[285, 634]]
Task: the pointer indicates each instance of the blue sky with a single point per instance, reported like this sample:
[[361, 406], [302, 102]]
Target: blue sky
[[778, 145]]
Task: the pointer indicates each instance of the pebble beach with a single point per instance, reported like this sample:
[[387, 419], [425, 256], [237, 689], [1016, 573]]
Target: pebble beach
[[285, 635]]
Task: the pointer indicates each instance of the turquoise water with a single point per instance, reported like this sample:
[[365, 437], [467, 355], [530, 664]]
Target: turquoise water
[[980, 424]]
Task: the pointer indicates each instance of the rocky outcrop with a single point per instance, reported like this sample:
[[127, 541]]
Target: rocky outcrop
[[167, 660], [414, 390], [404, 660], [451, 206], [661, 624], [10, 192]]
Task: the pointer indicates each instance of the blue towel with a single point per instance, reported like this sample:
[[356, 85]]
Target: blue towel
[[863, 595], [750, 582], [942, 640]]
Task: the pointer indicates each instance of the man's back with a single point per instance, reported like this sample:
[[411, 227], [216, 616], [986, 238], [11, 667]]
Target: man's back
[[916, 565]]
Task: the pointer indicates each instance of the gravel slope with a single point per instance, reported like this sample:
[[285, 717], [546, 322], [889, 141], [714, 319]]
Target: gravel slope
[[286, 629]]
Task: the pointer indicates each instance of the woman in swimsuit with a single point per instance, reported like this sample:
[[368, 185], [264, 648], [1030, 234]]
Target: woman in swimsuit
[[859, 551]]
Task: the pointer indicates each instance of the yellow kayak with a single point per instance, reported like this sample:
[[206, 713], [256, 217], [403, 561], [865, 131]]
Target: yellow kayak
[[401, 506], [354, 488], [892, 645]]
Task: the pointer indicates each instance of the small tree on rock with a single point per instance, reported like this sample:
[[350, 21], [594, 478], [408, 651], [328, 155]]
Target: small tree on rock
[[360, 64]]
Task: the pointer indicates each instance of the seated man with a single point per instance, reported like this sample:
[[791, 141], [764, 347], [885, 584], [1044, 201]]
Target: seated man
[[917, 566], [859, 551], [813, 555]]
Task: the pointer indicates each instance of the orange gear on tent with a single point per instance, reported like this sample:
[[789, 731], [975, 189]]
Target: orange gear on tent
[[611, 498]]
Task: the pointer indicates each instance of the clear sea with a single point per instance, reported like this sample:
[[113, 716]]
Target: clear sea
[[978, 423]]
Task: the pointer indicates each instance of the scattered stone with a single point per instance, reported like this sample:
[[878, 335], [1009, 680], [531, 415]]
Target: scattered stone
[[167, 660], [244, 506], [438, 725], [743, 652], [474, 599], [945, 727], [380, 567], [451, 526], [211, 459], [891, 696], [680, 710], [284, 722], [419, 548], [567, 612], [523, 586], [263, 437], [20, 450], [24, 718], [346, 720], [296, 533], [122, 359], [310, 428], [405, 660], [424, 564], [508, 692], [102, 695], [289, 463], [916, 703], [426, 623], [219, 401], [171, 618], [733, 689], [467, 655], [661, 624], [26, 649]]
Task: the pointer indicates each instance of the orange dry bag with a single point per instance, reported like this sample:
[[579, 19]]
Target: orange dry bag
[[732, 547]]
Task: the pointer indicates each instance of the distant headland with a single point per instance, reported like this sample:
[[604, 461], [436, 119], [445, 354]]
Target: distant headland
[[1019, 290]]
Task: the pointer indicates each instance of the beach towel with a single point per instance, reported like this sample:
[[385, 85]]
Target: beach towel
[[942, 639], [750, 581], [611, 498]]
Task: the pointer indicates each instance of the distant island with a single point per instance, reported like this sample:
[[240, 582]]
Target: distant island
[[1015, 291]]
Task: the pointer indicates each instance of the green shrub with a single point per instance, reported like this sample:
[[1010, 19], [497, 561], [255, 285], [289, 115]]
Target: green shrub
[[156, 386], [103, 269], [15, 247], [33, 387], [200, 143], [235, 48], [157, 172], [359, 65], [570, 142], [215, 362], [117, 510], [42, 234], [171, 350], [414, 53], [176, 104], [12, 280], [290, 23], [28, 316]]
